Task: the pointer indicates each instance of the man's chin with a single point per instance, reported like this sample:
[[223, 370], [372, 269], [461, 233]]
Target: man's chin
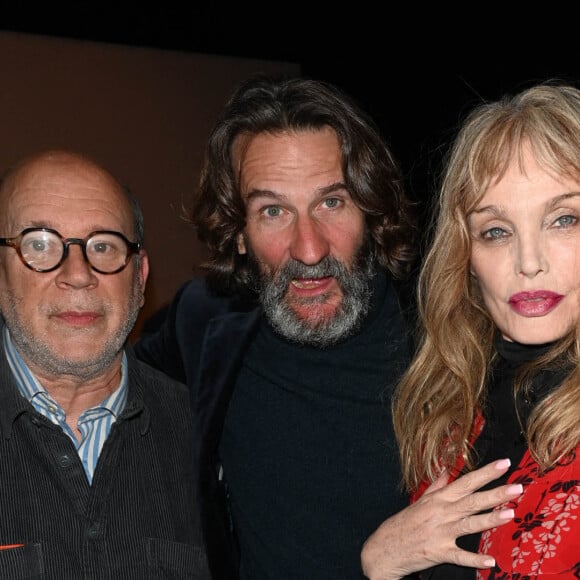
[[314, 315]]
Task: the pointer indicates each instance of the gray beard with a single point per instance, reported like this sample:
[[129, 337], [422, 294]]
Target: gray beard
[[355, 285]]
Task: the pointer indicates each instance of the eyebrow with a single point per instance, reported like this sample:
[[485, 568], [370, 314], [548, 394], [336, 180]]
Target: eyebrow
[[268, 193], [496, 210]]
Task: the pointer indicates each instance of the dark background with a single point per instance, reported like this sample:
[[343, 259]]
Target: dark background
[[417, 69]]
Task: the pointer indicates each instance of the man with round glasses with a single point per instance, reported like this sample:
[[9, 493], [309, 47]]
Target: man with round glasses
[[96, 446]]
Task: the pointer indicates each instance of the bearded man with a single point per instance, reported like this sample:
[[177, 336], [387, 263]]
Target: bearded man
[[293, 341]]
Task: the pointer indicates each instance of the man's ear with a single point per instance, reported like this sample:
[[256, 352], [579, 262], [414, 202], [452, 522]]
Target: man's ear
[[143, 273], [241, 244]]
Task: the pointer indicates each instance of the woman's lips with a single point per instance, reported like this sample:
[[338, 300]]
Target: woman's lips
[[537, 303]]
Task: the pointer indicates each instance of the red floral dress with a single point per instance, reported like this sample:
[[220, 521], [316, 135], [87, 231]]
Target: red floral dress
[[543, 539]]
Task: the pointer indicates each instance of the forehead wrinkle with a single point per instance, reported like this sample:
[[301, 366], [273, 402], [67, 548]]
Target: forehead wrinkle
[[106, 208], [492, 209], [267, 193], [499, 210], [564, 196]]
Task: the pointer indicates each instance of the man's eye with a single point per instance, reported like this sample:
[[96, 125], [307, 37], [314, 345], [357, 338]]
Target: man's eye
[[38, 245], [272, 211], [332, 202], [101, 248]]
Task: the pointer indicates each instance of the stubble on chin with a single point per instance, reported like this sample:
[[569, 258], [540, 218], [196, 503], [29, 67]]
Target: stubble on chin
[[57, 350]]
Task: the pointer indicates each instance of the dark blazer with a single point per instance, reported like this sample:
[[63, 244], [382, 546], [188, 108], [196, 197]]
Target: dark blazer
[[202, 342]]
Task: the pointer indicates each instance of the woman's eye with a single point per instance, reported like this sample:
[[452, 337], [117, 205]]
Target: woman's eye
[[566, 221], [496, 233]]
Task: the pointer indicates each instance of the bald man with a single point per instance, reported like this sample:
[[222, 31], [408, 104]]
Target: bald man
[[96, 447]]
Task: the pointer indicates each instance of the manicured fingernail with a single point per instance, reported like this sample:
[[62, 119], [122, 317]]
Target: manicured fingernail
[[502, 463], [507, 514], [489, 563], [515, 489]]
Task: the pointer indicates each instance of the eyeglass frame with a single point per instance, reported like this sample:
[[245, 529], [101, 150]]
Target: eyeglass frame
[[14, 242]]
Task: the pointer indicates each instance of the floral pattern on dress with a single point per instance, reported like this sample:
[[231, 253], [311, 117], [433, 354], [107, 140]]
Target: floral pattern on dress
[[543, 539]]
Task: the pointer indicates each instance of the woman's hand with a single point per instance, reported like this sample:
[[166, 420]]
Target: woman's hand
[[424, 533]]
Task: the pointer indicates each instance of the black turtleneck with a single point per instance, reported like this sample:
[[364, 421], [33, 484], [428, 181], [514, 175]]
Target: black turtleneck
[[503, 435], [308, 448]]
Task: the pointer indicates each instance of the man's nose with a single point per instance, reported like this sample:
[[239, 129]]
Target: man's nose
[[309, 243], [75, 270]]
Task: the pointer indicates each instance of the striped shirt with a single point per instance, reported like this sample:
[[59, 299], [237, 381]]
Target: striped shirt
[[94, 424]]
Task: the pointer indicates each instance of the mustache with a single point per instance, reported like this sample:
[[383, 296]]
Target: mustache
[[76, 306], [327, 267]]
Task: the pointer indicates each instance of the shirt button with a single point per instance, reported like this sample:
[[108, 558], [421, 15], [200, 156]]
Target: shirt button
[[52, 409], [93, 532], [65, 460]]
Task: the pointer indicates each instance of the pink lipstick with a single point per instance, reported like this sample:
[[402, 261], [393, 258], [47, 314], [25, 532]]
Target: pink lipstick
[[536, 303]]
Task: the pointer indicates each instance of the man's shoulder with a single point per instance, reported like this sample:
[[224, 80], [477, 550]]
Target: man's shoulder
[[152, 380], [198, 298], [165, 398]]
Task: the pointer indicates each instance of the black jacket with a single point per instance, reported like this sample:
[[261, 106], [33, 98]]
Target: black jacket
[[202, 343]]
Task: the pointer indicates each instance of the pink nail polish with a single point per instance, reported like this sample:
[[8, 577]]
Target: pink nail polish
[[507, 514], [515, 489]]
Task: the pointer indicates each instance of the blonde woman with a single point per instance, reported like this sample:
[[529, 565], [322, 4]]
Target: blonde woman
[[497, 374]]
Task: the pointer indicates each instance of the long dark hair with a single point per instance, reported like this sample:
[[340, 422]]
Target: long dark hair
[[371, 173]]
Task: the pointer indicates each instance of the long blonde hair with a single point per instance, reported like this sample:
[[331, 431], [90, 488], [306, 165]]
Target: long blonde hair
[[438, 398]]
